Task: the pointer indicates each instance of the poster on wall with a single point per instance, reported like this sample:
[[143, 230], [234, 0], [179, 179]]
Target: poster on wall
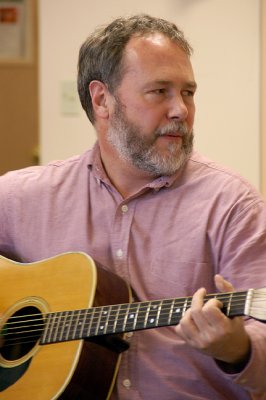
[[15, 42]]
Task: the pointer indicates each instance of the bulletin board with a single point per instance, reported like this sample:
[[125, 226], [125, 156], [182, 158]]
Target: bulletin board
[[16, 31]]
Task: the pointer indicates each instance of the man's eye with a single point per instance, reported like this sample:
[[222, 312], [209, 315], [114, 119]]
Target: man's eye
[[159, 91], [188, 93]]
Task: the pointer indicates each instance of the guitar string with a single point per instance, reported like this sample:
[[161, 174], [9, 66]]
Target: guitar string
[[119, 329], [176, 301], [127, 307], [163, 318]]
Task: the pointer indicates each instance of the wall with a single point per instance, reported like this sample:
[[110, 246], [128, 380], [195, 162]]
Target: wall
[[225, 36], [263, 98], [19, 105]]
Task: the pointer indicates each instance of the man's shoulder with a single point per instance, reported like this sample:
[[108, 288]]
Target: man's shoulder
[[46, 176], [204, 166], [217, 180]]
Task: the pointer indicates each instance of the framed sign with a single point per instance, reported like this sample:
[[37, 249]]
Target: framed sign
[[16, 31]]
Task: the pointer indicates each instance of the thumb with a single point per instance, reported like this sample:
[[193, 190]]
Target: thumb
[[223, 285]]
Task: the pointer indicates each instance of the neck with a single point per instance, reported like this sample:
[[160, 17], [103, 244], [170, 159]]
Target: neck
[[126, 178]]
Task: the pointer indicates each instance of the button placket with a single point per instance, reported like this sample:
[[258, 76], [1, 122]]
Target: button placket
[[127, 383], [124, 208]]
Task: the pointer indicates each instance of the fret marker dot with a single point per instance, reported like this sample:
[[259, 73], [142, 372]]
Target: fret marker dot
[[131, 316], [177, 310], [151, 320]]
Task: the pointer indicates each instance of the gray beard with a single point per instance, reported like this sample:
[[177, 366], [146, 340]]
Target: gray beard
[[140, 150]]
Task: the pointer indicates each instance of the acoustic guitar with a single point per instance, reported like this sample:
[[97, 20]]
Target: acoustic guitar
[[61, 339]]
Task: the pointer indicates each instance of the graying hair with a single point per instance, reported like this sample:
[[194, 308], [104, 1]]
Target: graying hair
[[101, 55]]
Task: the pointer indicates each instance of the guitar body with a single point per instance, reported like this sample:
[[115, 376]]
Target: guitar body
[[78, 369]]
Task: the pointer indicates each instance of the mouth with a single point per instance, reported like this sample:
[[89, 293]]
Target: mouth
[[172, 135]]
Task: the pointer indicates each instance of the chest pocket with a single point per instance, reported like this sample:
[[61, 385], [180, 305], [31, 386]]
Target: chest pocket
[[170, 278]]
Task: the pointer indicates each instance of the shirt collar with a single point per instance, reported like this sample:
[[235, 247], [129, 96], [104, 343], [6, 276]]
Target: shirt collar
[[95, 164]]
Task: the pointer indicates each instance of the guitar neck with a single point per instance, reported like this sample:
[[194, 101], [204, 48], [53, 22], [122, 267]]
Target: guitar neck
[[120, 318]]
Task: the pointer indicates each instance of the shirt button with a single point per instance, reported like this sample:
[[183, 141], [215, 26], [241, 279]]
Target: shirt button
[[124, 208], [126, 383], [119, 253], [129, 335]]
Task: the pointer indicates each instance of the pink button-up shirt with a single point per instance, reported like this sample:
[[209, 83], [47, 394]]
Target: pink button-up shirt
[[167, 240]]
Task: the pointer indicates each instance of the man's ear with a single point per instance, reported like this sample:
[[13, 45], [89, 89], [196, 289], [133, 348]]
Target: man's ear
[[99, 98]]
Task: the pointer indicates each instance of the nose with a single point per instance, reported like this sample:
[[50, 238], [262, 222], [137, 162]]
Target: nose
[[177, 108]]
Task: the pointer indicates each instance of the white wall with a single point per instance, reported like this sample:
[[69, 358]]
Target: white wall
[[225, 37]]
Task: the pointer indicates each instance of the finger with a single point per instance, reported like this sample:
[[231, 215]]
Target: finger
[[197, 307], [207, 313], [197, 301], [222, 284], [213, 314], [187, 328]]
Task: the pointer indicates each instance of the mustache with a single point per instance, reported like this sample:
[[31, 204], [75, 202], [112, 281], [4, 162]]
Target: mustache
[[174, 128]]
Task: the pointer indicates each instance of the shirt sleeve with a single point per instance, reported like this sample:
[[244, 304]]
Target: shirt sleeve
[[243, 263], [6, 242]]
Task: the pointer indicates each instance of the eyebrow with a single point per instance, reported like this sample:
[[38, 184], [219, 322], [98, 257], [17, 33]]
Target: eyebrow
[[189, 84], [192, 85]]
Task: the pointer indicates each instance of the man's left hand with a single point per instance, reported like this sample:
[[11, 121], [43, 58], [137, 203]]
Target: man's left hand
[[206, 328]]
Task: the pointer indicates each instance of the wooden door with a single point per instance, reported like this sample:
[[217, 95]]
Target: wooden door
[[19, 108]]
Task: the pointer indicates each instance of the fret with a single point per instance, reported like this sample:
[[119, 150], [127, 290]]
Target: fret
[[147, 314], [76, 324], [70, 322], [46, 329], [237, 304], [142, 313], [136, 316], [126, 318], [103, 320], [67, 325], [91, 327], [177, 312], [158, 312], [152, 314], [52, 319], [98, 320], [82, 325], [108, 309], [170, 316], [166, 310], [185, 306], [228, 308], [131, 320], [86, 331], [121, 319], [61, 326], [116, 318], [112, 319], [57, 317]]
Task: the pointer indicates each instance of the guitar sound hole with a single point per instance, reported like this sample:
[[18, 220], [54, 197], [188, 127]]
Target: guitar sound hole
[[21, 333]]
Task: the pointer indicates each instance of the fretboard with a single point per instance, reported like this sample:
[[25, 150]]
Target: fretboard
[[119, 318]]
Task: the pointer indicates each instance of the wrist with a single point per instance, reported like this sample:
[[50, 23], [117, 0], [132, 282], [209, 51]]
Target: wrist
[[236, 366]]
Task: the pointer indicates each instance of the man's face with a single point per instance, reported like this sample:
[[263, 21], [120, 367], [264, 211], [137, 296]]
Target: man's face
[[152, 119]]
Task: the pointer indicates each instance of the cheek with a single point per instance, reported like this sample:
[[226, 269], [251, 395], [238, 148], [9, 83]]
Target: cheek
[[191, 117], [146, 118]]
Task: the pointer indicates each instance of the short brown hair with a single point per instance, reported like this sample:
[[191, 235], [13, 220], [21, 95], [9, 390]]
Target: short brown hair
[[100, 56]]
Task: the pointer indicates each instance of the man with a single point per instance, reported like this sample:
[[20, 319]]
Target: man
[[153, 211]]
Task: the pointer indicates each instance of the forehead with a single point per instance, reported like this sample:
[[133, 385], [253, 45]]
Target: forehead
[[157, 56]]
